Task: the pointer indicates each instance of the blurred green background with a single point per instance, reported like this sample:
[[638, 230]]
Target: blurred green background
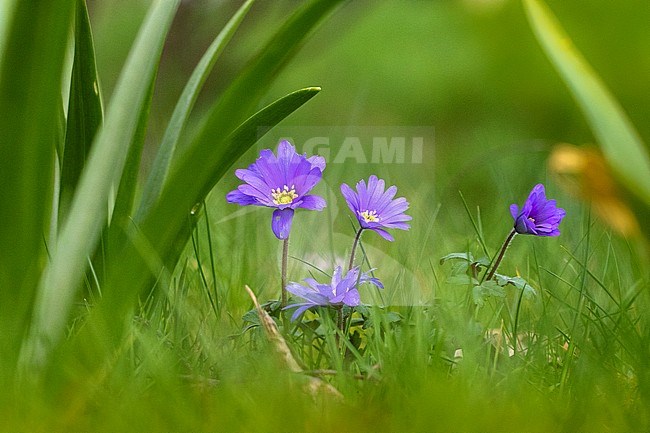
[[471, 69]]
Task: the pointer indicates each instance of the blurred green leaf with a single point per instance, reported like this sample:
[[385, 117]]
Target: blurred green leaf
[[84, 109], [621, 144], [485, 290], [30, 105], [89, 209], [518, 282], [160, 168]]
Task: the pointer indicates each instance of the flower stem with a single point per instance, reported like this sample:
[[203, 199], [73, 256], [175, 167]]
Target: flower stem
[[502, 253], [285, 256], [354, 248]]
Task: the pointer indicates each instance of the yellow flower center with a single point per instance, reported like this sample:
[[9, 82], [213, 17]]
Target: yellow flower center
[[369, 216], [285, 195]]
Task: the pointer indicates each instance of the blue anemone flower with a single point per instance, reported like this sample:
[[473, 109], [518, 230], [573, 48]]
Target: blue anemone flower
[[281, 182], [339, 292], [538, 216], [375, 208]]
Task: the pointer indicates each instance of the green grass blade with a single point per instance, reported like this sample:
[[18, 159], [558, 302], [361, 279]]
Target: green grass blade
[[181, 113], [621, 144], [34, 51], [88, 212], [84, 109]]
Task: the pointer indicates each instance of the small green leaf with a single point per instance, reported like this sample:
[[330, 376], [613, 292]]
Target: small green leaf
[[468, 257], [483, 261], [251, 318], [518, 282], [485, 290]]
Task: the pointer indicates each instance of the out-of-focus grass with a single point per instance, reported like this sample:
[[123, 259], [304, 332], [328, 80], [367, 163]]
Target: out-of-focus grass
[[183, 368]]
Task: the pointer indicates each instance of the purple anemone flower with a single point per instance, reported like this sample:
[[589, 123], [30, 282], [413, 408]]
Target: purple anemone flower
[[341, 291], [281, 182], [375, 207], [538, 216]]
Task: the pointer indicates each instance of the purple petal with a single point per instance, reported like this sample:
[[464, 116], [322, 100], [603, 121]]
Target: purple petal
[[286, 151], [254, 182], [366, 278], [396, 207], [240, 198], [271, 172], [514, 211], [351, 198], [396, 225], [375, 192], [397, 219], [281, 223], [317, 161], [325, 290], [249, 190], [347, 283], [383, 233], [352, 298], [385, 199], [362, 194], [301, 309], [313, 202], [308, 294], [297, 289], [312, 283], [304, 178], [336, 277]]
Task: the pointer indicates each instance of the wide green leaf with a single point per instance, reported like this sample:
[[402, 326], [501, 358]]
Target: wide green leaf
[[84, 109], [89, 209], [181, 113], [33, 55], [621, 143]]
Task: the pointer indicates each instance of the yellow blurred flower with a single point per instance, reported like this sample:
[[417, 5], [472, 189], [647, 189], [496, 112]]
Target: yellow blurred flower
[[583, 172]]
